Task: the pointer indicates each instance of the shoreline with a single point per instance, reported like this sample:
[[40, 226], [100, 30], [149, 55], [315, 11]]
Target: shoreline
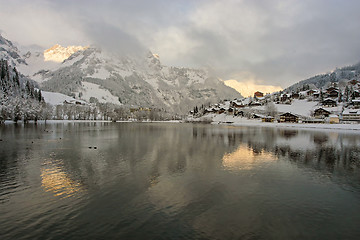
[[242, 122], [225, 120]]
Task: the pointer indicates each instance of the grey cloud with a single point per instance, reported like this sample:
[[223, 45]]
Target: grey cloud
[[278, 41]]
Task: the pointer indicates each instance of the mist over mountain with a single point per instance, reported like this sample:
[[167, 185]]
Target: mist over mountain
[[83, 72]]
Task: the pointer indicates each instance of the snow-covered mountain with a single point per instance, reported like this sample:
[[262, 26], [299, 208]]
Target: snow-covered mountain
[[92, 74]]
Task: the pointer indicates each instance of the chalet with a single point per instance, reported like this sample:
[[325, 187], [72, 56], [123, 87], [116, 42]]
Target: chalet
[[285, 97], [351, 115], [333, 118], [329, 103], [257, 116], [221, 110], [296, 95], [74, 102], [267, 119], [316, 94], [237, 104], [209, 110], [289, 117], [333, 94], [330, 89], [321, 113], [258, 94], [310, 92], [355, 94], [356, 103], [239, 113]]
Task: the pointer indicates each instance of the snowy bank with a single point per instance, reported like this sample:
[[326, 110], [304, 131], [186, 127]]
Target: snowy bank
[[241, 121]]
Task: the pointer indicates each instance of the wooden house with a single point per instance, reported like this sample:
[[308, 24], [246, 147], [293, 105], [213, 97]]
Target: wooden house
[[285, 97], [296, 95], [289, 117], [356, 103], [330, 89], [329, 103], [237, 104], [267, 119], [333, 118], [321, 113], [258, 94], [333, 94], [310, 92]]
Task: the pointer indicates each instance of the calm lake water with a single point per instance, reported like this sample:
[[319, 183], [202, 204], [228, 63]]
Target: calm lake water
[[177, 181]]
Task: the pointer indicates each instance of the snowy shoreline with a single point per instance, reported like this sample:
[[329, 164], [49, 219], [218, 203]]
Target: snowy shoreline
[[224, 119], [227, 120]]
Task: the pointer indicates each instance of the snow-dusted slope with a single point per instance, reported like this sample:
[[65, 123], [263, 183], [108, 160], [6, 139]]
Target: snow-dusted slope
[[56, 98], [90, 90]]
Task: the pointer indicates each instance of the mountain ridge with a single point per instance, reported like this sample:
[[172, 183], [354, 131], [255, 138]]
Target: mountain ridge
[[135, 82]]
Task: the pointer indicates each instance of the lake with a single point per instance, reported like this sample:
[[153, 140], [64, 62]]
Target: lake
[[177, 181]]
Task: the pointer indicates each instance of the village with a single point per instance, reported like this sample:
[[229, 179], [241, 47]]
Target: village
[[336, 103]]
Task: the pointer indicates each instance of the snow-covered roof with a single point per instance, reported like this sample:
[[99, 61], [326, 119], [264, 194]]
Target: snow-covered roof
[[351, 111]]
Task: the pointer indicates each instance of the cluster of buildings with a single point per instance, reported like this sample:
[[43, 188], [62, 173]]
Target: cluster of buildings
[[333, 104]]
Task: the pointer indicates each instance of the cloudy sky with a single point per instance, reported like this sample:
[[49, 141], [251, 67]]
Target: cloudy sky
[[277, 42]]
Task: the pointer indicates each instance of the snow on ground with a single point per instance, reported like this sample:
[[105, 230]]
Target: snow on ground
[[94, 90], [54, 98], [101, 73], [153, 82], [240, 121], [299, 107]]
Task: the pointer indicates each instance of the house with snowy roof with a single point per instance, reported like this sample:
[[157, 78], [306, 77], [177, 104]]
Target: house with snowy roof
[[289, 117], [350, 114], [258, 94], [321, 113], [329, 103]]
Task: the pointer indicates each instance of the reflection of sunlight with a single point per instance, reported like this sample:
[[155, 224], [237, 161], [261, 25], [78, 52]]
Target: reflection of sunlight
[[245, 158], [54, 179]]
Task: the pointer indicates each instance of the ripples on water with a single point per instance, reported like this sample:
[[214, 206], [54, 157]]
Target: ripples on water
[[177, 181]]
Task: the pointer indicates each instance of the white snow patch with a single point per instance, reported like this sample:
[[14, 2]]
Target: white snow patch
[[55, 98], [100, 73], [153, 82], [299, 107], [94, 90]]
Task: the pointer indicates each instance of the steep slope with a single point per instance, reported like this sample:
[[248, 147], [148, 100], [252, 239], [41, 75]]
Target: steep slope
[[10, 52]]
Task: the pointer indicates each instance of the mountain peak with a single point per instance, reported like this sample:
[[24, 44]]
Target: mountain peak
[[58, 53]]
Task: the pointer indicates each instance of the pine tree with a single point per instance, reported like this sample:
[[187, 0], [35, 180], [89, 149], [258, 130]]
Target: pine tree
[[39, 96]]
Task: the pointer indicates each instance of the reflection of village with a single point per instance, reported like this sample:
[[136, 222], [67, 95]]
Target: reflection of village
[[334, 104], [330, 152]]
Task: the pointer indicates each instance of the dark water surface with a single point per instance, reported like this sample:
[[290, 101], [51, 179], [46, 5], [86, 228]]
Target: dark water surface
[[177, 181]]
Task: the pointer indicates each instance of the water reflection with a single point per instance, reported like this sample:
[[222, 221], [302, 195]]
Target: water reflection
[[245, 158], [153, 181], [55, 179]]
